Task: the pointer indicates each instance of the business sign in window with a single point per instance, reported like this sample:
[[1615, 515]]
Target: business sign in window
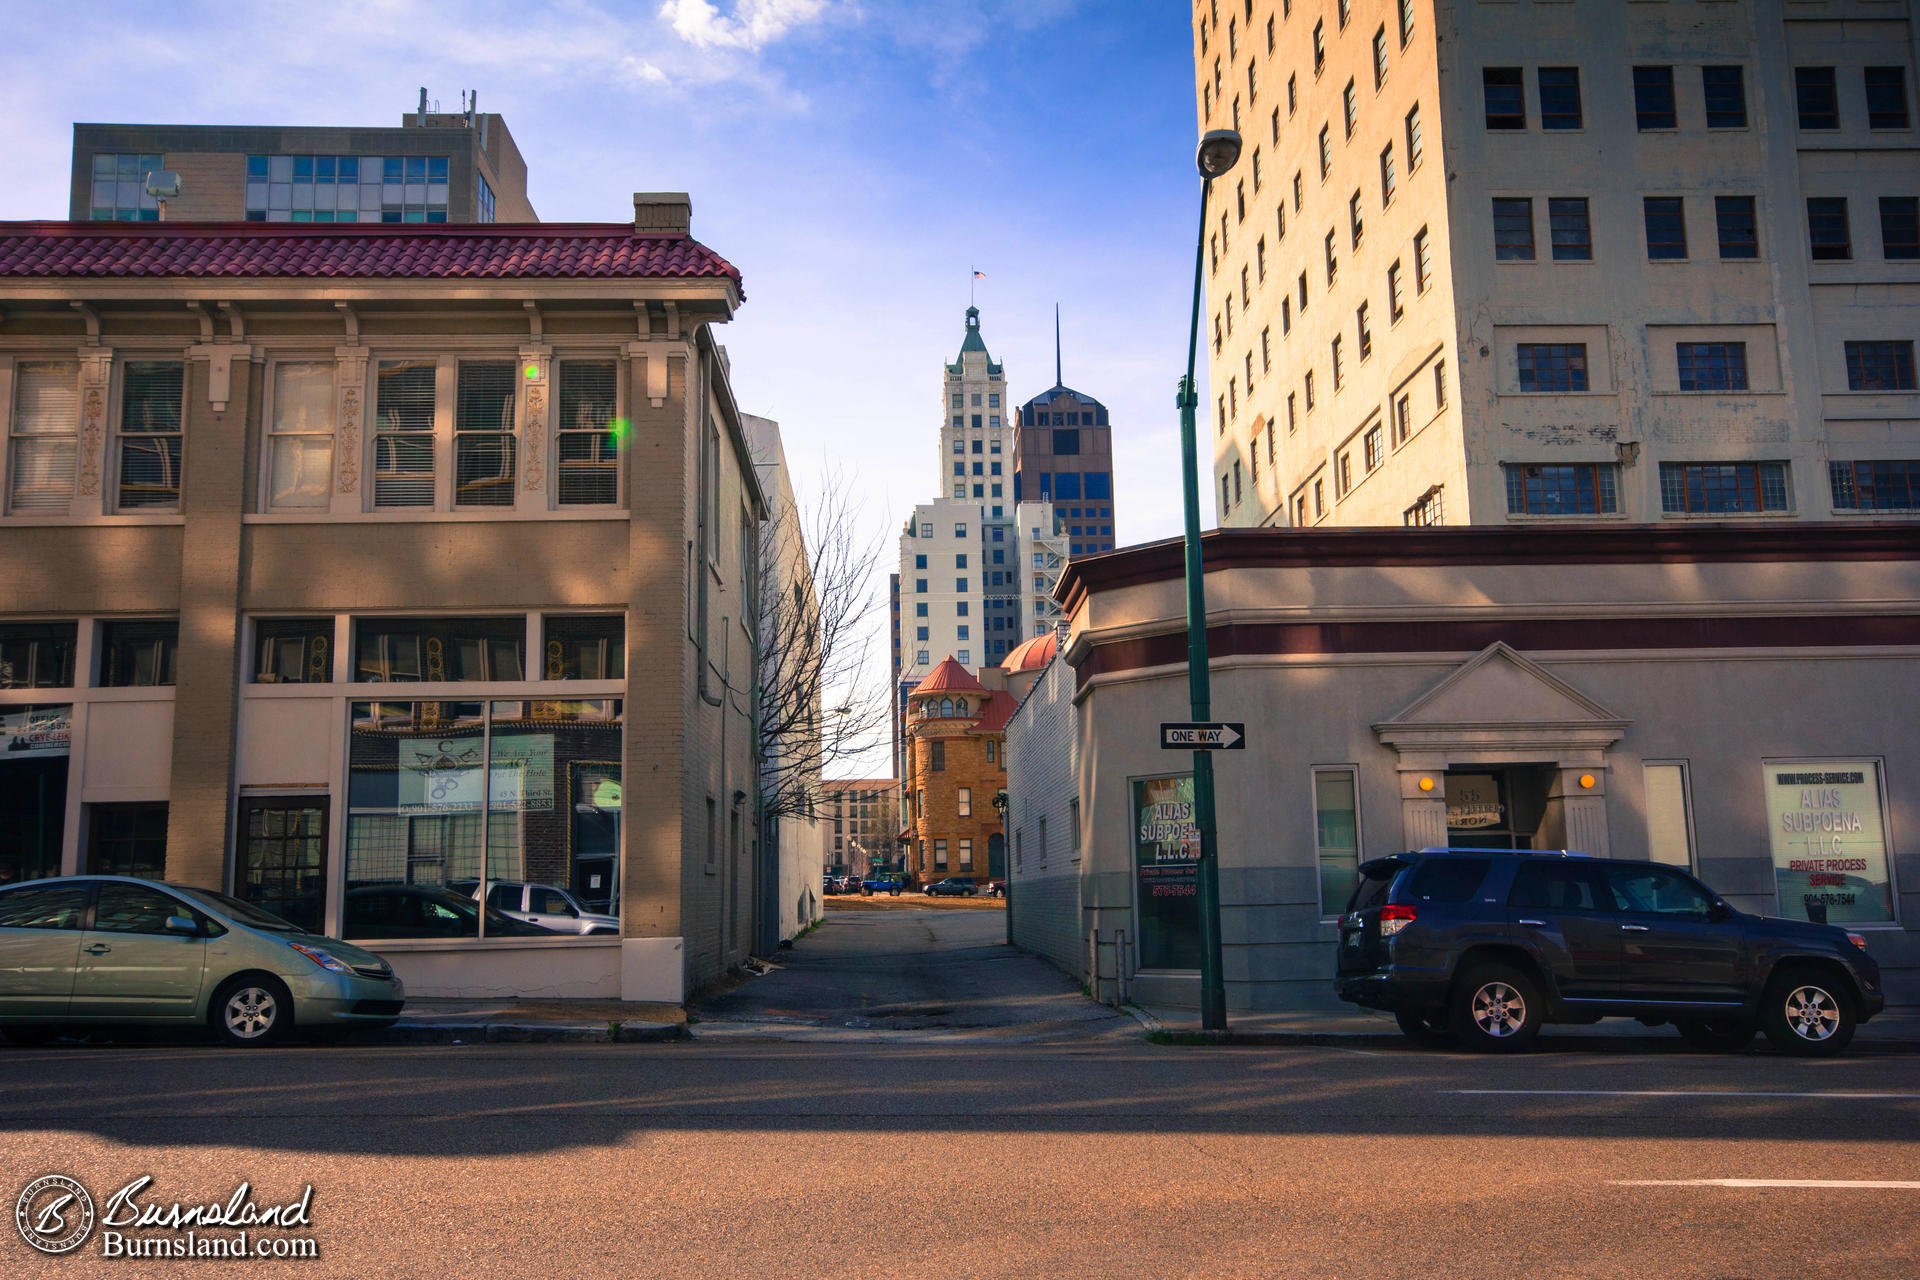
[[1166, 858], [1830, 840]]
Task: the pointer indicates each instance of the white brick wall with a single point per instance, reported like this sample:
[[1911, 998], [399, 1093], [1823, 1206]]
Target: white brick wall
[[1043, 769]]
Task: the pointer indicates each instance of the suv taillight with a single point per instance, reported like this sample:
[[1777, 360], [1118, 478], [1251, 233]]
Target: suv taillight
[[1394, 917], [1858, 939]]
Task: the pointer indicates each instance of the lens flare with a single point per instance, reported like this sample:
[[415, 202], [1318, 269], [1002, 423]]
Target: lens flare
[[533, 372], [619, 429]]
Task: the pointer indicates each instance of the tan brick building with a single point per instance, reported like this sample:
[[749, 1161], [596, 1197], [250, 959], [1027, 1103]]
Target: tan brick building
[[955, 765], [863, 815], [340, 561]]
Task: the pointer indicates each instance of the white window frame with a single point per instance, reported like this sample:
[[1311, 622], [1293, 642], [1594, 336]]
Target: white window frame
[[268, 435], [10, 435], [622, 412], [1359, 831], [1686, 807], [115, 436]]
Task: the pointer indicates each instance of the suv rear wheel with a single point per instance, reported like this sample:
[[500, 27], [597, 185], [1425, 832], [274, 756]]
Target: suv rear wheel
[[1717, 1035], [1496, 1008], [1806, 1013]]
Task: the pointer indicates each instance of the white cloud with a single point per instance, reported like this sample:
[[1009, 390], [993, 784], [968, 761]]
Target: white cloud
[[754, 23]]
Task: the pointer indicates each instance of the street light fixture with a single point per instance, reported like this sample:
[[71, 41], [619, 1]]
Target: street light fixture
[[1218, 152]]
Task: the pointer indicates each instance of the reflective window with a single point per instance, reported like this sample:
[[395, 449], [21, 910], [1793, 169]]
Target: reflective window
[[130, 908], [42, 906], [337, 188], [439, 649], [118, 192]]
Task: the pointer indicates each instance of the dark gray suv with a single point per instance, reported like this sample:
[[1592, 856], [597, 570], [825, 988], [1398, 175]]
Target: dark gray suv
[[1485, 946]]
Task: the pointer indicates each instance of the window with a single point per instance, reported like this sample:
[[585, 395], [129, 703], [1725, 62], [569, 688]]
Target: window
[[1349, 109], [1293, 97], [1319, 47], [1827, 231], [293, 651], [1236, 482], [1506, 97], [1422, 265], [152, 401], [1338, 375], [1365, 334], [1296, 190], [56, 906], [1567, 224], [436, 650], [1286, 316], [1653, 98], [1716, 488], [1738, 227], [588, 435], [1712, 366], [45, 433], [1266, 350], [1375, 447], [1307, 386], [966, 853], [1560, 98], [1402, 419], [1876, 486], [301, 437], [1725, 89], [1568, 489], [1440, 385], [127, 840], [1414, 143], [1666, 228], [1293, 419], [585, 647], [1886, 97], [1380, 57], [1880, 366], [483, 441], [1512, 230], [1669, 818], [1807, 801], [1343, 474], [138, 654], [920, 657], [1386, 176], [1900, 227], [1818, 99], [1303, 293], [119, 189], [337, 188], [1395, 308], [1428, 512], [403, 434], [1346, 13], [1356, 225], [1326, 153], [1333, 260], [1336, 814], [37, 655], [1226, 493], [1319, 499], [937, 749], [484, 212], [1552, 366], [1406, 22]]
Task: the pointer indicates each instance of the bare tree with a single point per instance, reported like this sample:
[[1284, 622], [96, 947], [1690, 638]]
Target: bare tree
[[821, 701]]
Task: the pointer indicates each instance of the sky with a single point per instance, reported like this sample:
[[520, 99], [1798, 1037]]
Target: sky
[[857, 162]]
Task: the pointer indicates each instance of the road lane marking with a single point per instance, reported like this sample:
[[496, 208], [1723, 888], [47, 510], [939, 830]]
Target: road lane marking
[[1815, 1183], [1668, 1093]]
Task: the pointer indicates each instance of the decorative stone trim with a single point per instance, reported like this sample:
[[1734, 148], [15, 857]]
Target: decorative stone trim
[[350, 388], [96, 374]]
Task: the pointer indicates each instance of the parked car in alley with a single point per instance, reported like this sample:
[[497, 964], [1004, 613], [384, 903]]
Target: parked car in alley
[[995, 889], [426, 911], [953, 887], [81, 951], [546, 905], [882, 884], [1487, 945]]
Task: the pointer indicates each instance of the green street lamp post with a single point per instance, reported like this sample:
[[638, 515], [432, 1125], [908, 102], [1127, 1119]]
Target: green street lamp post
[[1218, 152]]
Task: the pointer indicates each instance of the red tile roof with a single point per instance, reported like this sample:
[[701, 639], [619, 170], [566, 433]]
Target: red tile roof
[[995, 712], [488, 251], [948, 677], [1031, 655]]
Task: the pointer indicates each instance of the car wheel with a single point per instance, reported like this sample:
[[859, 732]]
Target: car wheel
[[1496, 1009], [866, 893], [894, 893], [29, 1037], [1807, 1013], [251, 1011], [1717, 1035], [1429, 1032]]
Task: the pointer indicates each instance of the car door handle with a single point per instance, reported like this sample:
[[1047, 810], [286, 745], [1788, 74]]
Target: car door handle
[[98, 949], [1633, 928], [1539, 924]]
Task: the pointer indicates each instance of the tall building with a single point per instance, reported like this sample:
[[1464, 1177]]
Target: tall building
[[956, 763], [1063, 453], [865, 818], [433, 167], [1496, 262]]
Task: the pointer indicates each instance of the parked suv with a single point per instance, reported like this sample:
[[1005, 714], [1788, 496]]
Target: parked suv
[[1486, 945], [881, 884], [953, 887]]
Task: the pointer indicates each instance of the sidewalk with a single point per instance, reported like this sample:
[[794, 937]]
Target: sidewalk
[[1897, 1029], [534, 1022]]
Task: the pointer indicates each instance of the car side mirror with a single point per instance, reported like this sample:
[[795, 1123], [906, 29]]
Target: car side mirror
[[181, 924]]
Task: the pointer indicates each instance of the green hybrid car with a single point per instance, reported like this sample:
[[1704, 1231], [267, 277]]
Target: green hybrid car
[[104, 950]]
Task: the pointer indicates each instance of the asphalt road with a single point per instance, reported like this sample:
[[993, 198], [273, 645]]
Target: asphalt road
[[802, 1148]]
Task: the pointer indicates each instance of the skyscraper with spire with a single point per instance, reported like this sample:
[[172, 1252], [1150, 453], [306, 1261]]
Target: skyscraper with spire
[[1063, 454]]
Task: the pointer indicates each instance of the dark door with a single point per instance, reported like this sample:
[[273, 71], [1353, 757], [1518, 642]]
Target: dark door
[[1562, 910], [127, 840], [1671, 948], [282, 865]]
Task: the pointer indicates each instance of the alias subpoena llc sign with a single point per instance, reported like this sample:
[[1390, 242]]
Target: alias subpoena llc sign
[[1166, 859], [1830, 840]]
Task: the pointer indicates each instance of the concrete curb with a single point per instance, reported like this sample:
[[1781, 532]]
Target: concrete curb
[[530, 1033]]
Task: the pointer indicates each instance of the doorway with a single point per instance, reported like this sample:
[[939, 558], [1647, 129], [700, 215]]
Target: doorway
[[283, 857], [1497, 806]]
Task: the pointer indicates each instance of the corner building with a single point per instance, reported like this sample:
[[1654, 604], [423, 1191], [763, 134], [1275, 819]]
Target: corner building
[[1513, 261], [339, 560]]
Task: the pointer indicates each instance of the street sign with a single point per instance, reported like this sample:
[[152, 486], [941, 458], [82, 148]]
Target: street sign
[[1218, 736]]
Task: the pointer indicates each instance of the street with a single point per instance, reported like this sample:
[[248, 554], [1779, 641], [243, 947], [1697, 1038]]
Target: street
[[1011, 1129]]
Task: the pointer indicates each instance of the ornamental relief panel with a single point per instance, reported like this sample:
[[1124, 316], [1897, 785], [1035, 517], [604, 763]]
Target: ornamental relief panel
[[536, 433]]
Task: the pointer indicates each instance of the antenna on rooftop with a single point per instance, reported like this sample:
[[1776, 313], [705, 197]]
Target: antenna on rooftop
[[163, 185], [1057, 381], [421, 118]]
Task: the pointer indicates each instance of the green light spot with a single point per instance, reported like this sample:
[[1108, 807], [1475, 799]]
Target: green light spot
[[533, 372], [619, 429]]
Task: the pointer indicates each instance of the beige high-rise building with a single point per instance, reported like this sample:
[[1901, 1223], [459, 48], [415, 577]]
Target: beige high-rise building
[[1488, 261]]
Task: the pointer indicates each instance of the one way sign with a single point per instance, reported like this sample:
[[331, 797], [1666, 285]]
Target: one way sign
[[1203, 737]]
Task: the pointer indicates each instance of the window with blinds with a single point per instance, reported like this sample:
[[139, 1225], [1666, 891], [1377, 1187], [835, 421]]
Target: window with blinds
[[152, 395], [301, 437], [483, 440], [589, 470], [403, 434], [46, 429]]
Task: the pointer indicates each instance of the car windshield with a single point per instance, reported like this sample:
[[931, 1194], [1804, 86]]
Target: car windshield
[[239, 912]]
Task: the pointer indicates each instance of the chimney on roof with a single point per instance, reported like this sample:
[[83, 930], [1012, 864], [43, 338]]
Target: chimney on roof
[[421, 118], [662, 213]]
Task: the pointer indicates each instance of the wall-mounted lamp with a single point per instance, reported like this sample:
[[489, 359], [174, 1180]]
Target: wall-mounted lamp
[[1586, 781], [1426, 784]]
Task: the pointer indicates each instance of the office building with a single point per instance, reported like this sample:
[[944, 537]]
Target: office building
[[1063, 454]]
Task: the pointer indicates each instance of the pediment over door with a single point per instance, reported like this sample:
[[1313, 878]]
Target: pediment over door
[[1499, 706]]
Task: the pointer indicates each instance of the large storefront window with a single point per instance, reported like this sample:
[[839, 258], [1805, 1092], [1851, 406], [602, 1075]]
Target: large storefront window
[[1829, 841], [34, 746], [413, 650], [1166, 849], [37, 655], [442, 795]]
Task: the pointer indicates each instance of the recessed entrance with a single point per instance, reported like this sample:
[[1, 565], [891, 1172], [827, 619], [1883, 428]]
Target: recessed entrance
[[1498, 806]]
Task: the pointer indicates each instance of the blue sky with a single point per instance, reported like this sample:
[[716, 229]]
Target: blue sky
[[855, 160]]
